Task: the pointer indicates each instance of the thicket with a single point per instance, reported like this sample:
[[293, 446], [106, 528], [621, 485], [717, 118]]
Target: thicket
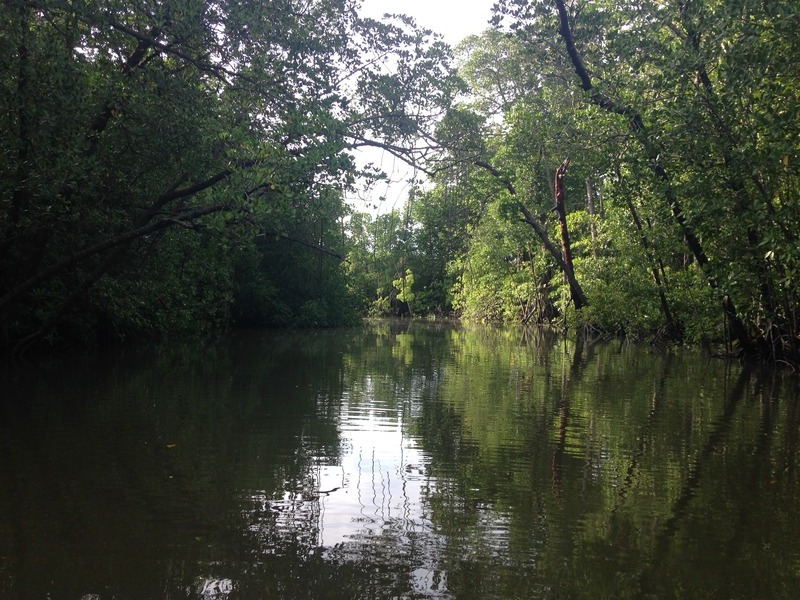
[[179, 166], [626, 166]]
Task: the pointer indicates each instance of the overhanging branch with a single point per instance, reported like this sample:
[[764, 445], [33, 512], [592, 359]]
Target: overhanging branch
[[183, 218]]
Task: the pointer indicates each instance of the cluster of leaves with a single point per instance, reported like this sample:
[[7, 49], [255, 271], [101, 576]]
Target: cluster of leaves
[[171, 166]]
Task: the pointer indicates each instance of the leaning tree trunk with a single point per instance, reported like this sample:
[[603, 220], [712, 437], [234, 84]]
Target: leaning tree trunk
[[561, 211], [576, 292]]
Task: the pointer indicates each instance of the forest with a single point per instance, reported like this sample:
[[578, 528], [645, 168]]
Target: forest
[[627, 168]]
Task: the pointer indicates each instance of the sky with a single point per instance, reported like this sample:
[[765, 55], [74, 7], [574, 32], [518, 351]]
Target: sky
[[455, 20]]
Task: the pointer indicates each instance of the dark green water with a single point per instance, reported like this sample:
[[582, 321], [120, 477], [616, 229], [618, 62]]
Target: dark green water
[[398, 461]]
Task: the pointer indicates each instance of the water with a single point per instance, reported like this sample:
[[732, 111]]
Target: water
[[397, 461]]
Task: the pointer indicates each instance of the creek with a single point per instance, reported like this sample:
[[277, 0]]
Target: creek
[[398, 460]]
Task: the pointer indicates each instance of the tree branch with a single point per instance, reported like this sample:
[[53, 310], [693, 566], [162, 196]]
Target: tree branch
[[119, 240], [495, 173], [407, 155], [215, 70], [596, 97]]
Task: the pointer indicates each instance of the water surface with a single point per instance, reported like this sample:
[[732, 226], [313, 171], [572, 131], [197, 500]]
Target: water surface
[[397, 460]]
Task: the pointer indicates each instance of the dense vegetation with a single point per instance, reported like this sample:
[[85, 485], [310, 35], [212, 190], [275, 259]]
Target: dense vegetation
[[627, 166], [632, 167]]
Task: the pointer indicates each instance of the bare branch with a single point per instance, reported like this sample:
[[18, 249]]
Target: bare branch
[[215, 70]]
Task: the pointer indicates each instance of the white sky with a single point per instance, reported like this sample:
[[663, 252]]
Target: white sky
[[455, 20]]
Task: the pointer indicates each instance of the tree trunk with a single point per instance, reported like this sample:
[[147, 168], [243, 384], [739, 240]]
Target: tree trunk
[[576, 292], [591, 211], [561, 211]]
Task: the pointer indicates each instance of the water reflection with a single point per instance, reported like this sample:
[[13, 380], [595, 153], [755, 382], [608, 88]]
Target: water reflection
[[398, 461]]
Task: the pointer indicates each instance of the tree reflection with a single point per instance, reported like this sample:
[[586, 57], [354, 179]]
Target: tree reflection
[[629, 475], [400, 460]]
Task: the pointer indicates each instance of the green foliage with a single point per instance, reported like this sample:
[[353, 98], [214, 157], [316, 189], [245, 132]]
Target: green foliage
[[682, 189], [150, 152], [405, 287], [282, 282], [181, 284], [380, 307], [377, 251], [498, 275], [443, 219]]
